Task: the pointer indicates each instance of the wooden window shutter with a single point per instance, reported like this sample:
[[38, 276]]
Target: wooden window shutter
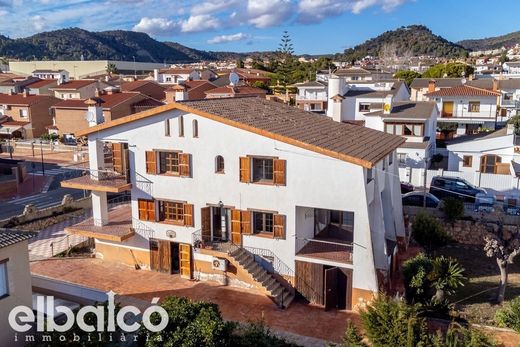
[[205, 215], [279, 226], [184, 164], [151, 162], [245, 222], [146, 209], [279, 173], [185, 260], [245, 169], [188, 215], [236, 227]]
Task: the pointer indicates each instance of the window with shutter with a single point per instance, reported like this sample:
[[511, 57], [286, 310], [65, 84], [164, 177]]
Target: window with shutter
[[245, 169], [151, 162], [236, 227], [279, 226], [146, 209], [279, 171], [188, 215], [205, 215], [184, 164], [172, 212], [245, 222]]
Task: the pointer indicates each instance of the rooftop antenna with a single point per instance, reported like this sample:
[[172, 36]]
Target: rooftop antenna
[[233, 79]]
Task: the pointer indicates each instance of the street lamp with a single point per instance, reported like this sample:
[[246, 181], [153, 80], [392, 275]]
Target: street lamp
[[41, 152]]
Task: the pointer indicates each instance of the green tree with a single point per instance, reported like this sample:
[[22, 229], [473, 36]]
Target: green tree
[[240, 64], [111, 69], [452, 70], [446, 276], [429, 232], [453, 208], [503, 58], [285, 59], [352, 337], [407, 75], [459, 336]]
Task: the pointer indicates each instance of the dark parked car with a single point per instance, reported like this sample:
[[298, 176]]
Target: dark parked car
[[406, 187], [443, 187], [417, 199]]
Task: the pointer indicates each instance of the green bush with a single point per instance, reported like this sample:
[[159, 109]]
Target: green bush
[[459, 336], [509, 315], [391, 322], [418, 288], [429, 232], [352, 337], [453, 208], [256, 334]]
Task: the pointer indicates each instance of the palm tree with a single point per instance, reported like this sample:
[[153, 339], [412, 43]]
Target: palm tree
[[446, 276], [111, 69]]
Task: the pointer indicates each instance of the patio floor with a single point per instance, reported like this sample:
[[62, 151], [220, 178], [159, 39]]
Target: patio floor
[[235, 304]]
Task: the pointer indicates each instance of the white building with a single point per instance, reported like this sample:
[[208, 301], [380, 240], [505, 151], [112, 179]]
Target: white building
[[220, 180], [312, 96], [470, 108], [59, 75], [511, 67], [176, 75]]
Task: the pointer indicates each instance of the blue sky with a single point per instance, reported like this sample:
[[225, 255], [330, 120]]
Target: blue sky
[[316, 26]]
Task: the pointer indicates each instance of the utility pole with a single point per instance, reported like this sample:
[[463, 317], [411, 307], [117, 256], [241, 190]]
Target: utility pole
[[41, 152], [135, 72], [425, 176]]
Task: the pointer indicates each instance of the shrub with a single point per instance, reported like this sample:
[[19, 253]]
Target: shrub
[[429, 233], [391, 322], [453, 208], [352, 337], [459, 336], [509, 315], [256, 334]]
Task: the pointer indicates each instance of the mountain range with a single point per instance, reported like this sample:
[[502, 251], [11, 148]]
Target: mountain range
[[75, 44]]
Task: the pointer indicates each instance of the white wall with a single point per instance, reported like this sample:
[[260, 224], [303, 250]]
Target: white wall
[[488, 107]]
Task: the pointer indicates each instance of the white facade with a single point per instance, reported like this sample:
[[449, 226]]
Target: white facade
[[60, 75], [313, 181], [174, 78]]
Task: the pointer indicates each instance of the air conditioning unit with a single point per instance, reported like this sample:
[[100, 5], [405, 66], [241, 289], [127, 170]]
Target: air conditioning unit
[[219, 264]]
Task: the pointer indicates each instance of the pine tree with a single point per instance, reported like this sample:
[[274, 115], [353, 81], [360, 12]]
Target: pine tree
[[285, 59]]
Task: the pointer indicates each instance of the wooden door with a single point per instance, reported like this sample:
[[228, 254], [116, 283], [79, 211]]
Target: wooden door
[[205, 215], [331, 288], [447, 109], [117, 158], [236, 227], [165, 255], [185, 260], [155, 260]]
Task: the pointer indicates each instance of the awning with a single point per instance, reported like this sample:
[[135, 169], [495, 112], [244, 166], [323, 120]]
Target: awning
[[464, 120], [9, 130]]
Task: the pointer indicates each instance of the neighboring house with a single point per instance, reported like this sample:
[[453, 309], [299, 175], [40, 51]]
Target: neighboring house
[[350, 100], [221, 180], [41, 87], [421, 86], [70, 115], [312, 96], [150, 88], [15, 279], [175, 75], [467, 108], [511, 67], [357, 73], [189, 90], [31, 110], [16, 85], [78, 89], [493, 153], [235, 92], [509, 98], [59, 75], [415, 121]]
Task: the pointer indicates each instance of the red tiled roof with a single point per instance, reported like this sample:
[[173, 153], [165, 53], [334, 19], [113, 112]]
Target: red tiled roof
[[20, 99], [177, 71], [74, 84], [463, 90], [149, 88], [238, 90], [41, 83], [148, 103], [107, 101], [15, 123], [197, 89]]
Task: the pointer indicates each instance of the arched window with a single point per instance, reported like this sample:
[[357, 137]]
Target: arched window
[[219, 164], [195, 126], [489, 163]]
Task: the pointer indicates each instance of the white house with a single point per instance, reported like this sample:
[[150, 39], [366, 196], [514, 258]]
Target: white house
[[318, 202], [421, 86], [350, 101], [415, 121], [470, 108], [176, 75], [312, 96], [493, 153], [60, 75], [511, 67]]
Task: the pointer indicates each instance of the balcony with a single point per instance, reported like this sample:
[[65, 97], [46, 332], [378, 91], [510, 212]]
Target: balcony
[[118, 228], [446, 114], [100, 180], [332, 244]]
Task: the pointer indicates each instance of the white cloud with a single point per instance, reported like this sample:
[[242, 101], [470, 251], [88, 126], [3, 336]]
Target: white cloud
[[264, 14], [229, 38], [213, 6], [156, 26], [200, 23], [38, 22]]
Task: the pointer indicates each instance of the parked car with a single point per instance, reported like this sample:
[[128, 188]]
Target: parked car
[[511, 205], [417, 199], [406, 187], [443, 187], [485, 203]]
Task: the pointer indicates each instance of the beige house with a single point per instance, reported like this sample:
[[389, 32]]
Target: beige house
[[78, 89], [15, 279]]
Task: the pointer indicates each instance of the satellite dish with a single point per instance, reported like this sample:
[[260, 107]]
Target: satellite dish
[[90, 116], [233, 79], [463, 80]]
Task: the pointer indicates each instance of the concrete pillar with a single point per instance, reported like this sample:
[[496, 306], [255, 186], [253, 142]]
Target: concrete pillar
[[99, 208], [96, 157]]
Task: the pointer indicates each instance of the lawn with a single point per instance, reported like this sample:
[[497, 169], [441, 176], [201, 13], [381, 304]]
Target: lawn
[[475, 299]]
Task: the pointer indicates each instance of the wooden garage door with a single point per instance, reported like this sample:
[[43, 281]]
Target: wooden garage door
[[185, 260]]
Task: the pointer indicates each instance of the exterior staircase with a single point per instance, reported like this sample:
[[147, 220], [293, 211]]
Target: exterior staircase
[[278, 292]]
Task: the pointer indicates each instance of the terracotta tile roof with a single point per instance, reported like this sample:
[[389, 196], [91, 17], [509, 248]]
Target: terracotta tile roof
[[407, 109], [147, 103], [420, 83], [352, 143], [312, 84], [41, 83], [374, 93], [238, 90], [462, 90], [15, 123], [20, 99], [108, 101], [74, 84], [149, 88], [177, 71], [196, 89], [11, 237]]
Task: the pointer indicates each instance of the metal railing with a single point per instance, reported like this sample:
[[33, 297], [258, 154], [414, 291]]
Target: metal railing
[[142, 229], [324, 249]]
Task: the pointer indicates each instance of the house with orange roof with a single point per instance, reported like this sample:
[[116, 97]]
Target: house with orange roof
[[235, 92], [150, 88], [41, 87], [78, 89], [189, 90]]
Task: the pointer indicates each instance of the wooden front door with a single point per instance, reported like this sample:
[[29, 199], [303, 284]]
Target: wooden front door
[[331, 288], [160, 256], [205, 215], [185, 260]]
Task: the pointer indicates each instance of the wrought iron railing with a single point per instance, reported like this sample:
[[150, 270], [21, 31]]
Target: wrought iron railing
[[142, 229]]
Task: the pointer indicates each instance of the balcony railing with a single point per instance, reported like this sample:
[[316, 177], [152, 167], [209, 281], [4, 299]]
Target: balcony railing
[[100, 180], [446, 114], [340, 252]]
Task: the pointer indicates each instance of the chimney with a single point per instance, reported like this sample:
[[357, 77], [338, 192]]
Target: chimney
[[60, 80], [495, 85], [387, 107], [156, 75], [180, 93], [25, 93], [431, 86], [10, 92], [97, 93], [94, 114], [335, 91]]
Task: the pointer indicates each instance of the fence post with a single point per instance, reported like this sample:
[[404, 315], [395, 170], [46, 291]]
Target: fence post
[[52, 249]]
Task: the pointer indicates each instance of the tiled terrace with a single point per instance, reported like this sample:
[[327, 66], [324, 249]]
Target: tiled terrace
[[333, 244], [110, 183], [119, 227]]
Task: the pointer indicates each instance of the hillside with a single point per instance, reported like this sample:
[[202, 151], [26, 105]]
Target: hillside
[[412, 40], [507, 40], [71, 44]]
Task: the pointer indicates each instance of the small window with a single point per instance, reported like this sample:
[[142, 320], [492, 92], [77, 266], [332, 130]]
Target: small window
[[401, 158], [384, 164], [181, 126], [4, 283], [474, 106], [370, 175], [467, 161], [169, 163], [364, 107], [391, 158], [167, 127], [263, 222], [262, 169], [195, 126], [23, 113], [219, 164], [171, 212]]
